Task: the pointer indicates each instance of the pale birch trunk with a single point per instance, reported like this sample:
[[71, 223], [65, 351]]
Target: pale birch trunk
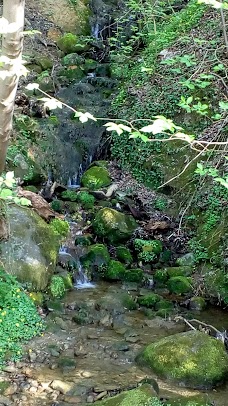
[[12, 45]]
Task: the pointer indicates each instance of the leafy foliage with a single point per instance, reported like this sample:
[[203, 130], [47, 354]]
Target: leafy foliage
[[8, 190], [60, 227], [19, 319], [57, 287]]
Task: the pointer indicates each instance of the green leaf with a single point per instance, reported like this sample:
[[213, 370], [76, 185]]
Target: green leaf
[[223, 105], [25, 202], [6, 193], [32, 86], [84, 117]]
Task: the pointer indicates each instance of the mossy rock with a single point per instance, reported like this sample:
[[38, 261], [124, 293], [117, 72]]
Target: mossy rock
[[33, 247], [179, 271], [32, 67], [134, 275], [129, 302], [124, 255], [192, 401], [163, 304], [45, 82], [72, 73], [180, 285], [113, 225], [115, 271], [44, 62], [197, 303], [161, 276], [84, 240], [89, 65], [3, 386], [97, 255], [67, 279], [164, 313], [73, 59], [95, 178], [70, 43], [66, 363], [186, 260], [103, 69], [149, 300], [135, 397], [192, 359]]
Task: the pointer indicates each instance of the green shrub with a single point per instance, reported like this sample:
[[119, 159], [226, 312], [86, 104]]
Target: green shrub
[[87, 201], [19, 319], [57, 287], [60, 227]]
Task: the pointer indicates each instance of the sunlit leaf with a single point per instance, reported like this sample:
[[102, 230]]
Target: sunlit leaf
[[223, 105], [6, 193], [25, 202], [84, 117], [114, 127], [51, 103]]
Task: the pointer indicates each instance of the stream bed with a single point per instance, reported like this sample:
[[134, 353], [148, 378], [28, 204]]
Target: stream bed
[[79, 359]]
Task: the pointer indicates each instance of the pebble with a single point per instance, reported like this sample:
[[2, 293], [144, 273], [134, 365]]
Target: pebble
[[11, 369], [11, 390], [32, 356], [90, 399], [101, 395], [61, 386], [72, 399], [5, 401]]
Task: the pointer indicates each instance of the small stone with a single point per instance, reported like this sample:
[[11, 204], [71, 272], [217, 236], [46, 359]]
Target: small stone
[[33, 389], [62, 387], [101, 395], [87, 374], [11, 369], [90, 399], [5, 401], [54, 352], [33, 383], [32, 356], [132, 340], [72, 399], [11, 390], [53, 366], [45, 385]]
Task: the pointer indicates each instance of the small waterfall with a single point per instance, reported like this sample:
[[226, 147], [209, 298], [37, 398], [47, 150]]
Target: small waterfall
[[95, 30], [81, 279]]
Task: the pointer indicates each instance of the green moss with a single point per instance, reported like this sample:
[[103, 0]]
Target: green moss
[[60, 227], [72, 73], [115, 271], [45, 82], [113, 225], [197, 303], [31, 188], [45, 62], [180, 285], [69, 195], [3, 386], [134, 275], [57, 205], [192, 359], [179, 271], [72, 59], [135, 397], [67, 279], [87, 201], [97, 255], [124, 255], [85, 239], [95, 178], [163, 304], [89, 65], [149, 300], [66, 363], [129, 302], [161, 276], [70, 43]]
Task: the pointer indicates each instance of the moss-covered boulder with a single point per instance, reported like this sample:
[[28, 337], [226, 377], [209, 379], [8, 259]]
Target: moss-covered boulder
[[95, 178], [45, 82], [97, 255], [192, 359], [134, 275], [161, 276], [149, 300], [115, 271], [124, 255], [70, 43], [197, 303], [186, 260], [71, 73], [73, 59], [179, 271], [113, 225], [44, 62], [180, 285], [32, 248], [89, 65], [135, 397]]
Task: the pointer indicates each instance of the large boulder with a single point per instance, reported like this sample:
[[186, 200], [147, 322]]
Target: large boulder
[[113, 225], [32, 249], [192, 359], [135, 397], [95, 178]]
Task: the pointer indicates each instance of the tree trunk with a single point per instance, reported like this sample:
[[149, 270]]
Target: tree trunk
[[12, 45]]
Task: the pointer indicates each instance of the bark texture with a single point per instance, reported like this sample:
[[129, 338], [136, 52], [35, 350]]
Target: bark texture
[[12, 45]]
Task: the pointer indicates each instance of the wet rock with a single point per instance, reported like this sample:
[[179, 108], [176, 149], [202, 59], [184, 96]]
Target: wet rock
[[33, 247], [197, 303], [97, 255], [192, 359], [62, 387], [179, 271], [113, 225], [96, 177], [5, 401]]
